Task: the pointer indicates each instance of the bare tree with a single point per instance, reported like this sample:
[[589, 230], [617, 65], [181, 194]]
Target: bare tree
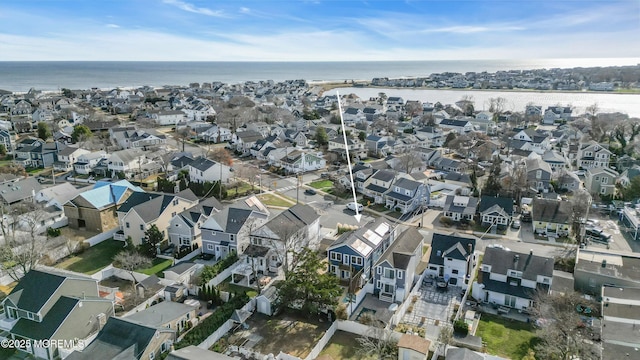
[[497, 106], [221, 155], [445, 337], [129, 261], [377, 341], [564, 333], [408, 162], [24, 242], [580, 203]]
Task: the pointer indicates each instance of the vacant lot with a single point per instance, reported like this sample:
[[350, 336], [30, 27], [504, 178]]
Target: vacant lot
[[343, 346], [93, 259], [504, 337]]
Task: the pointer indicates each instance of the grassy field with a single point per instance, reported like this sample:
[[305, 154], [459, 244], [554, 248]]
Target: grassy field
[[504, 337], [322, 184], [242, 189], [272, 200], [92, 259], [157, 266], [343, 346], [229, 287]]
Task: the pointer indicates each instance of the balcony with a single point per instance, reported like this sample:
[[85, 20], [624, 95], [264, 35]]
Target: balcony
[[6, 323], [388, 297]]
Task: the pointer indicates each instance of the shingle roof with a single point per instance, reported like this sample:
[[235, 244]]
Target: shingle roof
[[160, 314], [399, 253], [384, 175], [22, 189], [487, 202], [35, 289], [118, 336], [49, 324], [555, 211], [441, 244], [181, 268], [531, 265]]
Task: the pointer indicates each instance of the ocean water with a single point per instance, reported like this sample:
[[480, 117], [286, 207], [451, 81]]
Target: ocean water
[[54, 75]]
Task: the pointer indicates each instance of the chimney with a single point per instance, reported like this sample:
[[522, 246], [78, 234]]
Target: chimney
[[470, 248], [531, 252], [516, 258]]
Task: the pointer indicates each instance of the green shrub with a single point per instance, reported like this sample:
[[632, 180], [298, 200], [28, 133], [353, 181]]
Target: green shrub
[[211, 271], [53, 232], [447, 221], [460, 327], [210, 324]]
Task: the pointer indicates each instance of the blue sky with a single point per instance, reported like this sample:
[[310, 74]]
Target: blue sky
[[335, 30]]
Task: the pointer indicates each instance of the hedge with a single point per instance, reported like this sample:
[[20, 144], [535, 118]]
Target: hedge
[[210, 324], [211, 271]]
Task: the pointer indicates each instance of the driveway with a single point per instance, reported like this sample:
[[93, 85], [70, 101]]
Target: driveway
[[433, 305]]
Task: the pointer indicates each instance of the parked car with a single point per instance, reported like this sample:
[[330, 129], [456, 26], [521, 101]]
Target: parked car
[[310, 192], [324, 175], [352, 206], [526, 217], [515, 224]]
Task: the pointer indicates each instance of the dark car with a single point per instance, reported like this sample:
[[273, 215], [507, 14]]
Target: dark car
[[310, 192], [207, 256]]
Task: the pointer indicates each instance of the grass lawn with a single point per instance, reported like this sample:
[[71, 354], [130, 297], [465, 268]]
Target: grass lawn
[[343, 346], [322, 184], [504, 337], [157, 266], [226, 285], [243, 188], [6, 353], [94, 258], [272, 200]]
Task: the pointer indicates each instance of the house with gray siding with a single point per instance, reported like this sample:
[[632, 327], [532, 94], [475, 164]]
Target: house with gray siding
[[395, 270], [185, 228]]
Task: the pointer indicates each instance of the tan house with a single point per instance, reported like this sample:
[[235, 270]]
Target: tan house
[[95, 210], [142, 210], [413, 347]]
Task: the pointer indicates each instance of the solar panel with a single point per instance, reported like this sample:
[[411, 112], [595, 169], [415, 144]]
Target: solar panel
[[362, 248], [372, 237], [382, 229]]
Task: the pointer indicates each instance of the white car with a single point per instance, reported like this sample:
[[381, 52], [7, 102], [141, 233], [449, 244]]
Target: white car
[[352, 206]]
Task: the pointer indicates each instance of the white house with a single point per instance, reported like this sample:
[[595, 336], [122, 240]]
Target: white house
[[166, 117], [202, 170], [453, 258], [126, 160], [86, 162]]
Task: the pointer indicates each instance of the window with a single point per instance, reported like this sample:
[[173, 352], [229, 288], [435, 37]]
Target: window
[[232, 237], [454, 271], [173, 214], [151, 354], [210, 247], [141, 226], [357, 260], [389, 273], [126, 225], [400, 274], [336, 256], [388, 288], [605, 180], [30, 315], [510, 300], [333, 269], [175, 202]]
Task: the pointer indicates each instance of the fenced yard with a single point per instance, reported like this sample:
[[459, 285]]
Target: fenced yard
[[506, 337], [93, 259], [343, 346]]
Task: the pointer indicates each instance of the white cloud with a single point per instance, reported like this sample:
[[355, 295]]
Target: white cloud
[[245, 10], [465, 29], [113, 26], [194, 9]]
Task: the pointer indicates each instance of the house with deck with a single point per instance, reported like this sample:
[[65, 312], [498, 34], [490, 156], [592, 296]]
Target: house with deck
[[453, 257]]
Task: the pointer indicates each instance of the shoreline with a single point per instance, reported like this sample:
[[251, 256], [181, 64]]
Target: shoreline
[[328, 86]]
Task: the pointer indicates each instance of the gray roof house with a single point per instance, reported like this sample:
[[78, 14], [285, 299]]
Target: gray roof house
[[538, 174], [512, 279], [496, 210], [396, 268], [452, 257], [21, 190], [122, 339], [407, 195], [457, 207], [185, 228], [166, 314], [52, 306]]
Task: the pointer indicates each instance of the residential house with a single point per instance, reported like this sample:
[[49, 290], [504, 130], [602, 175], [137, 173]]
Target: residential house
[[496, 211], [406, 195], [462, 181], [597, 268], [67, 158], [379, 184], [202, 170], [124, 339], [556, 113], [551, 217], [6, 140], [512, 279], [140, 211], [569, 181], [300, 161], [459, 126], [39, 155], [182, 273], [22, 190], [353, 255], [432, 134], [428, 155], [127, 161], [228, 230], [290, 231], [448, 164], [52, 200], [453, 257], [593, 155], [85, 163], [396, 268], [538, 175], [129, 137], [95, 209], [166, 117], [53, 307], [167, 314], [460, 208], [557, 162], [534, 140], [245, 140], [185, 228], [601, 181], [357, 148], [629, 173]]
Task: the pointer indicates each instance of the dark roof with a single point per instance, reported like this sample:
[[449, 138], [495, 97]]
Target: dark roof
[[202, 164], [462, 354], [451, 206], [49, 324], [399, 253], [35, 289], [182, 161], [117, 337], [236, 219], [407, 184], [181, 268], [529, 264], [256, 251], [376, 188], [487, 202], [506, 288], [554, 211], [136, 199], [452, 122], [442, 244], [459, 177], [384, 175], [305, 213]]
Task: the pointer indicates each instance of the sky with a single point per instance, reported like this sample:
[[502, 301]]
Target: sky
[[333, 30]]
